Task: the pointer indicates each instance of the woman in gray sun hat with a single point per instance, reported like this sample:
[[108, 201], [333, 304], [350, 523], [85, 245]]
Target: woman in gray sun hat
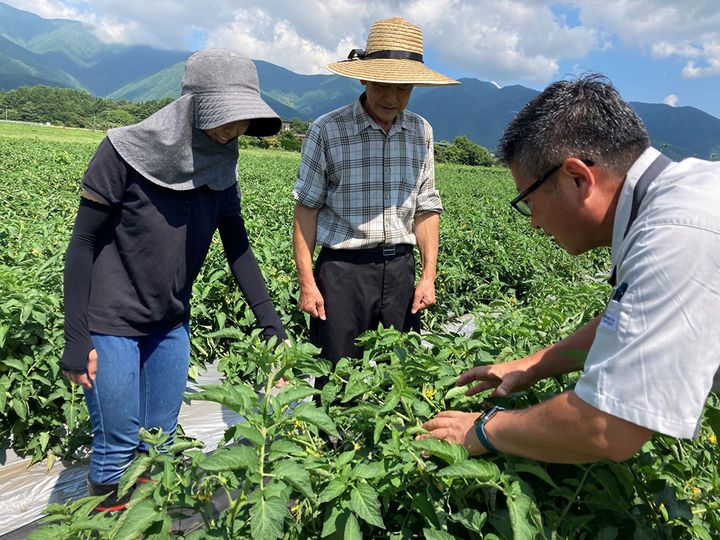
[[152, 198]]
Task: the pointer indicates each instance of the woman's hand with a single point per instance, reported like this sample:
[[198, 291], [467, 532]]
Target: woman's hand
[[85, 379]]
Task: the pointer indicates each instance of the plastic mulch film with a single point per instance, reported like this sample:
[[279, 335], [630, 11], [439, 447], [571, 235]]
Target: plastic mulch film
[[25, 491]]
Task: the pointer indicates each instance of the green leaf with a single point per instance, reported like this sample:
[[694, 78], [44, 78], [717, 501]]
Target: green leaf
[[333, 490], [366, 505], [425, 506], [267, 517], [85, 505], [20, 407], [391, 401], [133, 472], [525, 518], [535, 469], [136, 520], [16, 364], [469, 517], [352, 531], [238, 397], [51, 532], [335, 522], [3, 333], [328, 393], [227, 333], [250, 433], [290, 395], [292, 472], [368, 470], [435, 534], [309, 413], [355, 387], [483, 472], [449, 452], [232, 459], [94, 523], [282, 449], [344, 458], [379, 426], [182, 445]]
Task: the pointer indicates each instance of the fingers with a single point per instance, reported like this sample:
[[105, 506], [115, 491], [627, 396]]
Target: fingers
[[320, 309], [78, 378], [441, 420], [313, 303], [481, 387], [92, 364], [423, 303], [473, 374]]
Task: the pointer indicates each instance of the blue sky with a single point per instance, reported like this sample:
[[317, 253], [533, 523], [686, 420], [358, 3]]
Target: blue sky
[[654, 51]]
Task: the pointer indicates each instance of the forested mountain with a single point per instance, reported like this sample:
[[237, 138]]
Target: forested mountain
[[62, 53]]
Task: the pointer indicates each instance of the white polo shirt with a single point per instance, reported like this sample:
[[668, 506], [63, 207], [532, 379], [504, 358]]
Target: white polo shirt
[[656, 353]]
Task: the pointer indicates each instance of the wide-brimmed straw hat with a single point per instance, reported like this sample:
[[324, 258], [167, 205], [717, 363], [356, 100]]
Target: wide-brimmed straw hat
[[225, 86], [393, 54]]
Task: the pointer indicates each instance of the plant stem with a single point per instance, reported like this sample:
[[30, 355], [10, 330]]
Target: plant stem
[[574, 497]]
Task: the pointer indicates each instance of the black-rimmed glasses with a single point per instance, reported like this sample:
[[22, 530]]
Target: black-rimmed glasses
[[520, 203]]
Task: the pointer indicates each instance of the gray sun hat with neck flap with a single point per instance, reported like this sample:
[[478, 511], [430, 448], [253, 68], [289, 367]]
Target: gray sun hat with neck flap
[[170, 148], [226, 89]]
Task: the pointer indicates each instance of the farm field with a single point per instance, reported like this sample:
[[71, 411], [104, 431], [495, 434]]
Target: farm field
[[284, 480]]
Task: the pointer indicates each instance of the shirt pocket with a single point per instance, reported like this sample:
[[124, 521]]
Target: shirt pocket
[[612, 335]]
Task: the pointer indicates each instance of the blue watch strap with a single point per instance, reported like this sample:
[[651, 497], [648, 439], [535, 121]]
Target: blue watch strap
[[480, 428]]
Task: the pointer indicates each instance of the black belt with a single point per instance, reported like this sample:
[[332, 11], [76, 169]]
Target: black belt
[[386, 250]]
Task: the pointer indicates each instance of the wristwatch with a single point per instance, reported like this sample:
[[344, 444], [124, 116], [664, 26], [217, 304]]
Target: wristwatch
[[480, 422]]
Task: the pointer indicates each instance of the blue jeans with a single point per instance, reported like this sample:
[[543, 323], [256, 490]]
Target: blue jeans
[[139, 383]]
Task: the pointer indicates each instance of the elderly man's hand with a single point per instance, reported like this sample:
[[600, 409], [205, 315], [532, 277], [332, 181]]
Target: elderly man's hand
[[424, 295], [455, 427], [312, 301]]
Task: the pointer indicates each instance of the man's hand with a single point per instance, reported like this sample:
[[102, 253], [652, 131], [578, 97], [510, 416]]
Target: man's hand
[[424, 295], [506, 378], [456, 427], [312, 301], [85, 379]]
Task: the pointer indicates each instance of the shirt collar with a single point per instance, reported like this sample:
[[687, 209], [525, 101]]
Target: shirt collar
[[363, 120], [622, 214]]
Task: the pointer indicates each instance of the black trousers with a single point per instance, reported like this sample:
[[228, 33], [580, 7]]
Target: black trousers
[[362, 288]]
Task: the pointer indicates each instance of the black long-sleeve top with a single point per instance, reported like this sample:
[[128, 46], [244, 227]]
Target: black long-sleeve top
[[136, 249]]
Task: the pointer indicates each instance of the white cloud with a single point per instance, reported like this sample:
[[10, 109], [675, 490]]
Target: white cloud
[[510, 40], [671, 100], [687, 30]]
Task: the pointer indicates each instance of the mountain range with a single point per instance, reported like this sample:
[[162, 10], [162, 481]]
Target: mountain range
[[58, 52]]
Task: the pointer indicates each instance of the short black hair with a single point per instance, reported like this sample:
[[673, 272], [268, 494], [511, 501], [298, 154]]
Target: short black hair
[[584, 118]]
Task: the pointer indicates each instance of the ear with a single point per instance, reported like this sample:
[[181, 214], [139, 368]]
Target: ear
[[582, 176]]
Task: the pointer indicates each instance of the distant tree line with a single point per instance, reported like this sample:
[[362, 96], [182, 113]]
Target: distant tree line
[[77, 108], [73, 108]]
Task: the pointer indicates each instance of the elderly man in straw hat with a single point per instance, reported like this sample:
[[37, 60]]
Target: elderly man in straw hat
[[366, 193]]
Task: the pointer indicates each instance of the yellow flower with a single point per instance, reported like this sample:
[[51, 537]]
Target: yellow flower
[[696, 491], [712, 438], [357, 446], [297, 424], [430, 393]]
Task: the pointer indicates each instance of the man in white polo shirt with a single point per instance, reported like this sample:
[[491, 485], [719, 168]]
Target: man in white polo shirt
[[586, 175]]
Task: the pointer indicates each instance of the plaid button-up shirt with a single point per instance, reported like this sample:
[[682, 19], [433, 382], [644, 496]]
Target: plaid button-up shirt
[[368, 185]]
